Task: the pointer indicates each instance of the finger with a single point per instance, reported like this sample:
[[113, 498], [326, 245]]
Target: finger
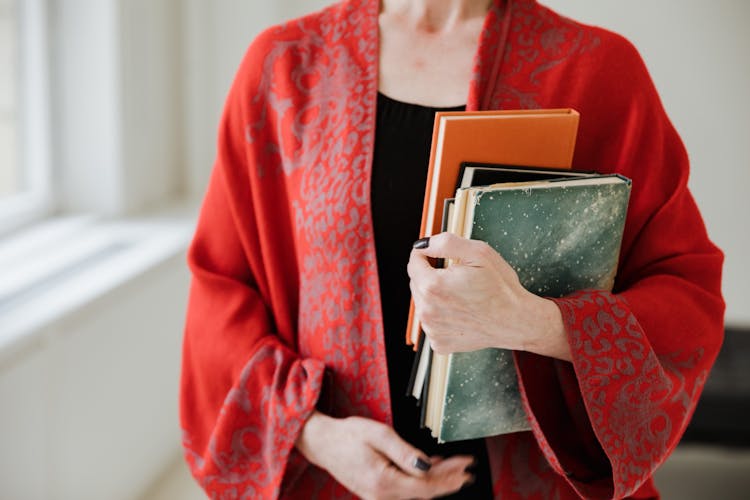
[[406, 457], [418, 265], [448, 476], [453, 464], [440, 481], [457, 473], [450, 246]]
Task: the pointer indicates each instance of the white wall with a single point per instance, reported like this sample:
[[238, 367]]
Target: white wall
[[152, 153], [117, 103], [89, 411], [216, 34], [699, 56], [86, 108]]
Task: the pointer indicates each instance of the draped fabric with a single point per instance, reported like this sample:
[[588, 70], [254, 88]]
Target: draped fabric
[[284, 311]]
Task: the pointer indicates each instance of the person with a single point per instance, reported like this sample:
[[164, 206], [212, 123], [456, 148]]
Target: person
[[293, 364]]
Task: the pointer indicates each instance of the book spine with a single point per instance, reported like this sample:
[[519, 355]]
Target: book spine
[[415, 367]]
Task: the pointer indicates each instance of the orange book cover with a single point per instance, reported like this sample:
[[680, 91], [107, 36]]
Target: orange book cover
[[536, 137]]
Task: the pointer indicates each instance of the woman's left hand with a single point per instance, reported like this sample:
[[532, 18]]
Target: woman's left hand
[[478, 302]]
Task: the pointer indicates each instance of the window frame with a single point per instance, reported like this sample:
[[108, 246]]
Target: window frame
[[36, 198]]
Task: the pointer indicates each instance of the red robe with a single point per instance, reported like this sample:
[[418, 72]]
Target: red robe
[[284, 307]]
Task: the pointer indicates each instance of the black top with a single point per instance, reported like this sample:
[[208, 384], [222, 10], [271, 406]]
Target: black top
[[402, 149]]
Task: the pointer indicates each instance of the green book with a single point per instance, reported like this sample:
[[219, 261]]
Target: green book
[[560, 236]]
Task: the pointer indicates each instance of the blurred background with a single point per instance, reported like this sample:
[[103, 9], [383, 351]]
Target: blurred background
[[108, 117]]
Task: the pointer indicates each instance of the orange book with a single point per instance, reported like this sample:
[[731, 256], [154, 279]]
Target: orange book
[[536, 137]]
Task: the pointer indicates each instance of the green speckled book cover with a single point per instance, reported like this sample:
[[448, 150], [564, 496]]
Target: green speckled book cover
[[559, 236]]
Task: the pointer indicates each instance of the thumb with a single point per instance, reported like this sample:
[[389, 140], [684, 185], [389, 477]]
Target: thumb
[[451, 246]]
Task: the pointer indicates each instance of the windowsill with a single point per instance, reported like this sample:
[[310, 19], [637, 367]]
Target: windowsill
[[63, 264]]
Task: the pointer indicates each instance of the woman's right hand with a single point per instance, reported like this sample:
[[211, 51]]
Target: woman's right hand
[[373, 462]]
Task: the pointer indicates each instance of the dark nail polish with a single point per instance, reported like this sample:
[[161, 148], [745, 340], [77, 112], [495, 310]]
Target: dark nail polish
[[422, 243], [421, 464]]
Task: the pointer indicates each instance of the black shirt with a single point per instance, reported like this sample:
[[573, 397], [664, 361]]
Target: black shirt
[[402, 148]]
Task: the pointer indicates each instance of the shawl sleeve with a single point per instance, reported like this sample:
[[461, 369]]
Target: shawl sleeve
[[245, 391], [641, 353]]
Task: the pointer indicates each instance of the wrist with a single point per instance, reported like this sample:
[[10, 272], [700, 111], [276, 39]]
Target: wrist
[[547, 335], [312, 437]]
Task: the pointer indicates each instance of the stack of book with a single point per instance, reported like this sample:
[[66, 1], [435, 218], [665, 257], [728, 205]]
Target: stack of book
[[504, 177]]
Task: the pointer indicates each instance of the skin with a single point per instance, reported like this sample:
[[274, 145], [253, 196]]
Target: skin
[[476, 303], [442, 37]]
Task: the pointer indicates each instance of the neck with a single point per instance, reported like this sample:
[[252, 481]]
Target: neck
[[436, 15]]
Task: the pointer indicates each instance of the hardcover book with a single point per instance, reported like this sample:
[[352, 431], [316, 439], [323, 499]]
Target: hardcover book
[[560, 236], [477, 174], [484, 174], [539, 137]]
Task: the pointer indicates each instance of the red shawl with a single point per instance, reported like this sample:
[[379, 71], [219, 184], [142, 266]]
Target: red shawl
[[284, 309]]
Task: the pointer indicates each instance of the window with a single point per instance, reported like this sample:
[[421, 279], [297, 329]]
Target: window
[[24, 124], [9, 169]]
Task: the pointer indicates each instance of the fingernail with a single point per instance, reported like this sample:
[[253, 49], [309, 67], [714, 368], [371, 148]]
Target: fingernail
[[422, 243], [421, 464]]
